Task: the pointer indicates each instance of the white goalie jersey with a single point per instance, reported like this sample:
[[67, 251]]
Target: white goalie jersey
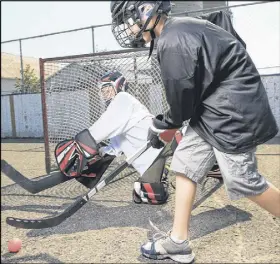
[[126, 123]]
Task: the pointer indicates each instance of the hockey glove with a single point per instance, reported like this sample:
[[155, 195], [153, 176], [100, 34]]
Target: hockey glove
[[161, 131], [178, 137]]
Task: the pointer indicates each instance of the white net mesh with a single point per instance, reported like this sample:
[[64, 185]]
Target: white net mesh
[[71, 91]]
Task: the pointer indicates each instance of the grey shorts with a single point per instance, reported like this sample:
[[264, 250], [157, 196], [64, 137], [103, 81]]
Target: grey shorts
[[194, 157]]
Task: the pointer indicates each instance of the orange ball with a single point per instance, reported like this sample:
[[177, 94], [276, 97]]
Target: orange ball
[[14, 245]]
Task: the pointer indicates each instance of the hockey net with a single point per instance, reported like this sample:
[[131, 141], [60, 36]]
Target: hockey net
[[70, 93]]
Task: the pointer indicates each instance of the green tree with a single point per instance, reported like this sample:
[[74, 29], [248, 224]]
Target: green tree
[[31, 83]]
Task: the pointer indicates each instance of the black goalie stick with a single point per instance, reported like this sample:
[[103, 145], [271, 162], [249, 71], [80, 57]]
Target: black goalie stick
[[79, 203], [41, 183], [33, 186]]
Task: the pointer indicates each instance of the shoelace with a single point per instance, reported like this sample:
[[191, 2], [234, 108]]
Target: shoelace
[[159, 234]]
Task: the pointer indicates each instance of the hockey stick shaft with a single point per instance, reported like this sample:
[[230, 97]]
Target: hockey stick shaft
[[120, 168], [79, 203], [33, 186]]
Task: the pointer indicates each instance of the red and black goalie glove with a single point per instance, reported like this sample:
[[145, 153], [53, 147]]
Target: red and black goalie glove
[[72, 155]]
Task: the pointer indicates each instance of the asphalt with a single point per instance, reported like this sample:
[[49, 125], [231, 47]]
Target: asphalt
[[111, 228]]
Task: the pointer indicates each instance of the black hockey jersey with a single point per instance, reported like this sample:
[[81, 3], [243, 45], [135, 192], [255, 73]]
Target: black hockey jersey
[[210, 79]]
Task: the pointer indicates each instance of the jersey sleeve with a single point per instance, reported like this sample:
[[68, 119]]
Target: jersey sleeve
[[179, 70], [114, 121]]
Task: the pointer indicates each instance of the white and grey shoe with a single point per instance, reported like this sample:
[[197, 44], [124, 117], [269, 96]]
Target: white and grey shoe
[[162, 247]]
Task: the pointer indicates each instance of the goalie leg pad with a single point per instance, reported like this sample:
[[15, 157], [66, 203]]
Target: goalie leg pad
[[151, 193], [152, 187]]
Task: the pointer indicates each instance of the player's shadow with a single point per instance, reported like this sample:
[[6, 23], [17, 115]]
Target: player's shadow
[[203, 224], [213, 220], [99, 214], [97, 217], [208, 221]]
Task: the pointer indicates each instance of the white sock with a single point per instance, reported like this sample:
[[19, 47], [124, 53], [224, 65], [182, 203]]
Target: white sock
[[176, 240]]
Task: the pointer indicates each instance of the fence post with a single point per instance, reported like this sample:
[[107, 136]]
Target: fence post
[[13, 117], [21, 64], [92, 35]]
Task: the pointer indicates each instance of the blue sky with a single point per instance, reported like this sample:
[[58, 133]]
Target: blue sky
[[258, 25]]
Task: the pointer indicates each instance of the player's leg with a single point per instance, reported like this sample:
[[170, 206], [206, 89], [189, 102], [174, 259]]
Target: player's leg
[[152, 187], [242, 179], [269, 200], [215, 170], [192, 160]]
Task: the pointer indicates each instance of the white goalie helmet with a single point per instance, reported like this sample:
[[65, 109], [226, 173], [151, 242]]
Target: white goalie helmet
[[111, 84]]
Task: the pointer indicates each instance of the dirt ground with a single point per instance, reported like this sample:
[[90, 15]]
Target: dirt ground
[[111, 228]]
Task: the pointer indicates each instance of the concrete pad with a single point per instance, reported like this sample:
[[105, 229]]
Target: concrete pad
[[111, 228]]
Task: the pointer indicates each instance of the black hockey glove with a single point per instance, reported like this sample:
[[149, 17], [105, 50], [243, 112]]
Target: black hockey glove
[[160, 131]]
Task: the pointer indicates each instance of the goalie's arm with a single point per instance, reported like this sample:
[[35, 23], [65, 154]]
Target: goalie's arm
[[114, 121]]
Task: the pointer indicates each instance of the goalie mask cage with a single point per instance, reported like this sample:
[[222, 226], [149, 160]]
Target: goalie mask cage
[[70, 96]]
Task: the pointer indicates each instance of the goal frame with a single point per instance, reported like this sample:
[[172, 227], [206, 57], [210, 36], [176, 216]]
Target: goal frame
[[42, 62]]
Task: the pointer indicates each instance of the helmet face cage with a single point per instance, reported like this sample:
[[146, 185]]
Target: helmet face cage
[[107, 92], [110, 85], [126, 23]]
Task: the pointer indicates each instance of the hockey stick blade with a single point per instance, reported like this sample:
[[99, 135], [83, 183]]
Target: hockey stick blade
[[46, 222], [33, 186], [79, 203]]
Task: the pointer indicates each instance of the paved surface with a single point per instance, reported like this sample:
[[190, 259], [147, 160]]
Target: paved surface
[[111, 228]]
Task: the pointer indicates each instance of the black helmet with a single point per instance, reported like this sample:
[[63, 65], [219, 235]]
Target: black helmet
[[126, 14]]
